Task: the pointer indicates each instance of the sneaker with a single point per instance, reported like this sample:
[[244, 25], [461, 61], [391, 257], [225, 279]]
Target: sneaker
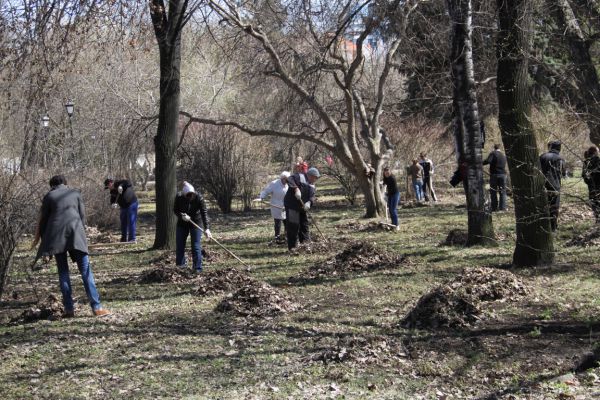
[[101, 312]]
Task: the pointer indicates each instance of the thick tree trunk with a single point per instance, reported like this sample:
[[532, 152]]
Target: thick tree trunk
[[535, 244], [467, 130], [165, 145], [585, 71]]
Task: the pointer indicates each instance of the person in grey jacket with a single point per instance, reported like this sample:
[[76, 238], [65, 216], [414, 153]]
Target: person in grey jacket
[[62, 229]]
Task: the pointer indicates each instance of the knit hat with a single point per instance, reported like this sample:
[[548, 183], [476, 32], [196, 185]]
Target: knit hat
[[187, 188], [284, 174], [314, 172]]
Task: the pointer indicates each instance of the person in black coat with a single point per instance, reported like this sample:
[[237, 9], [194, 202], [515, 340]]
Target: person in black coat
[[190, 207], [122, 195], [553, 168], [297, 201], [591, 176], [62, 230], [497, 162]]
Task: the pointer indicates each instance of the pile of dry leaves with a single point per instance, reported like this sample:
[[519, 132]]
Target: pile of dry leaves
[[456, 237], [456, 303], [167, 274], [51, 308], [356, 258], [586, 239], [256, 299], [221, 281], [368, 350], [371, 226], [95, 235]]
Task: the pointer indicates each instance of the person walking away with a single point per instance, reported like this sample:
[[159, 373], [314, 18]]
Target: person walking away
[[497, 162], [277, 190], [416, 172], [553, 168], [393, 195], [190, 207], [428, 169], [62, 230], [297, 201], [591, 176], [122, 195]]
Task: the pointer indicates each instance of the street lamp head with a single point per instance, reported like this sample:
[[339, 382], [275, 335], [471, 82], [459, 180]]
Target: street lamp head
[[45, 121], [70, 107]]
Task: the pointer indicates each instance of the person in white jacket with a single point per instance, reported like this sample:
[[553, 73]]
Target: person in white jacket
[[277, 189]]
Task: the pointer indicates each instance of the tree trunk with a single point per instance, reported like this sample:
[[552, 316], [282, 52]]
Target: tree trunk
[[585, 71], [369, 186], [466, 114], [165, 145], [535, 244]]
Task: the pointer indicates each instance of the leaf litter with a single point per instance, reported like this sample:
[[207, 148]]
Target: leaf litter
[[357, 257], [376, 349], [257, 299], [586, 239], [50, 308], [456, 303]]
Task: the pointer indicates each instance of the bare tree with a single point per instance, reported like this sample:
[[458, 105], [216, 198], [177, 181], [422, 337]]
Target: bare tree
[[344, 119], [534, 245], [466, 123]]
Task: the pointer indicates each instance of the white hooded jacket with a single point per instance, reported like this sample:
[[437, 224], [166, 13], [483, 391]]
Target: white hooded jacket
[[277, 190]]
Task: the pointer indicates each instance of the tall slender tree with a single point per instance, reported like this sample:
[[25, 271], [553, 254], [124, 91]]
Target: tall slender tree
[[168, 23], [535, 245], [466, 122]]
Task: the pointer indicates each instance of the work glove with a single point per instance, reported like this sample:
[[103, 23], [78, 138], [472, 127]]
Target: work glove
[[114, 205], [307, 205], [208, 234], [298, 194], [186, 217], [120, 189], [257, 199]]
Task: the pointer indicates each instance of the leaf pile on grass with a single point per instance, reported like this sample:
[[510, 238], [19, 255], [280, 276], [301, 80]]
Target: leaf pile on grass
[[211, 255], [50, 308], [371, 226], [95, 235], [167, 274], [256, 299], [365, 350], [355, 258], [456, 237], [316, 246], [221, 281], [575, 212], [586, 239], [456, 304]]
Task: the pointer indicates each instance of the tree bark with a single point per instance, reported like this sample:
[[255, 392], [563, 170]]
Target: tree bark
[[585, 71], [534, 244], [466, 114], [168, 36]]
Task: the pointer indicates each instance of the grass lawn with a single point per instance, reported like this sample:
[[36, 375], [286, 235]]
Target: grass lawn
[[164, 341]]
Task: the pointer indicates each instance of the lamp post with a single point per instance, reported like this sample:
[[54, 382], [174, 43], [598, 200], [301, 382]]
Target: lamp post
[[70, 108], [45, 125]]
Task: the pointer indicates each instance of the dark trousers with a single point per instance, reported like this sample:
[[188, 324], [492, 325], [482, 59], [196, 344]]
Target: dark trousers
[[553, 206], [595, 203], [428, 185], [297, 227], [181, 235], [128, 222], [498, 191], [278, 223], [392, 203]]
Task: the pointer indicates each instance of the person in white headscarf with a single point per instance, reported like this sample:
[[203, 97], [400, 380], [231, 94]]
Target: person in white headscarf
[[190, 207], [277, 190]]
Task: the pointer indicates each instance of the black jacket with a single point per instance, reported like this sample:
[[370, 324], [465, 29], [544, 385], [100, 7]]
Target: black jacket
[[390, 184], [497, 162], [126, 198], [553, 168], [195, 208], [307, 192], [591, 173]]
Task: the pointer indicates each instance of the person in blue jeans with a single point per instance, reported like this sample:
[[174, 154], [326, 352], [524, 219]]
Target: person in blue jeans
[[122, 195], [190, 207], [416, 172], [61, 228], [393, 195]]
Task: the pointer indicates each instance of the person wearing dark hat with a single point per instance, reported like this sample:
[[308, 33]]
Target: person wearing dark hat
[[297, 201], [122, 195], [190, 207], [553, 168], [497, 162], [591, 176], [62, 230]]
